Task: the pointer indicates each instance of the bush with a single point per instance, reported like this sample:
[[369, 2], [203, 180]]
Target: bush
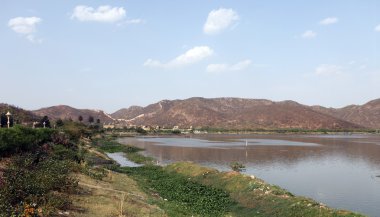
[[20, 139], [237, 167], [60, 152], [176, 132], [141, 131], [75, 130], [37, 180]]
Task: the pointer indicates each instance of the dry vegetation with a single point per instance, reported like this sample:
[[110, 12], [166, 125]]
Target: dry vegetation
[[115, 195]]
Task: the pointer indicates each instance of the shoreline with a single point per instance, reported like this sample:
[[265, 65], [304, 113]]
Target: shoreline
[[255, 193]]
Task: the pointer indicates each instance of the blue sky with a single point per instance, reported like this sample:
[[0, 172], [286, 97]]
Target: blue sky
[[113, 54]]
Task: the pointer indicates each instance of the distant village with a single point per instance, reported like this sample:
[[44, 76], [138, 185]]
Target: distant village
[[149, 128]]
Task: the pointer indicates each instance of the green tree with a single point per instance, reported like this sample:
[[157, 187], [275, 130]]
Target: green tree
[[45, 120], [59, 123], [141, 131], [90, 119], [80, 118], [3, 120], [176, 131]]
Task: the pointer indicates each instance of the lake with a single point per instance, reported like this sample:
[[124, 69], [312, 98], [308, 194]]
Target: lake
[[338, 170]]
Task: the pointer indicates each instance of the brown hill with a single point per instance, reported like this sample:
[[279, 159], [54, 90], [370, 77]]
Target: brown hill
[[19, 114], [128, 113], [65, 112], [367, 115], [231, 113]]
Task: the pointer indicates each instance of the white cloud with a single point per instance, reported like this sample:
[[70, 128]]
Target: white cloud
[[220, 19], [377, 28], [327, 69], [191, 56], [216, 68], [240, 65], [25, 26], [309, 34], [329, 21], [104, 13]]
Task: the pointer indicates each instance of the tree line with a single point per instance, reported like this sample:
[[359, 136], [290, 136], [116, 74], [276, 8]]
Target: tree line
[[90, 119]]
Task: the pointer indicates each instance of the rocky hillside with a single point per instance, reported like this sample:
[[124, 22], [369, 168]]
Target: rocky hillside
[[66, 112], [19, 114], [231, 113], [367, 115]]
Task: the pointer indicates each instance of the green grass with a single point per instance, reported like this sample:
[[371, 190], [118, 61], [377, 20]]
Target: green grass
[[255, 197], [110, 146], [186, 189], [180, 196], [22, 139], [38, 181]]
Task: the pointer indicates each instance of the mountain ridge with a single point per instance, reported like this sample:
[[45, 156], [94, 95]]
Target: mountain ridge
[[230, 112], [367, 115], [224, 112], [68, 112], [21, 115]]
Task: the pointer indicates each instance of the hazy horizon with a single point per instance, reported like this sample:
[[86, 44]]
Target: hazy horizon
[[115, 54]]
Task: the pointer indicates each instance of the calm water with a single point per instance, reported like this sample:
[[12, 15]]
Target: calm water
[[338, 170], [121, 159]]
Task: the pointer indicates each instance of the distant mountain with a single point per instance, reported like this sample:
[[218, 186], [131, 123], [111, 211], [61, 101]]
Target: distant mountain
[[66, 112], [367, 115], [235, 113], [128, 113], [19, 114], [231, 113]]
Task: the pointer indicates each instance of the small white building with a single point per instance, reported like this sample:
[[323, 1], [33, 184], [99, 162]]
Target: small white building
[[108, 126]]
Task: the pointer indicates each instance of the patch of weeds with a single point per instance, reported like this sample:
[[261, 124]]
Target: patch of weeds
[[111, 146], [139, 158], [276, 190], [178, 193], [237, 166], [36, 182], [97, 173]]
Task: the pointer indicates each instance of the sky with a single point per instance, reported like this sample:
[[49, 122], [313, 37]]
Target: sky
[[114, 54]]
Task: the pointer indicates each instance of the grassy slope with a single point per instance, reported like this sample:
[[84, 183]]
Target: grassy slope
[[257, 197], [103, 198], [114, 195]]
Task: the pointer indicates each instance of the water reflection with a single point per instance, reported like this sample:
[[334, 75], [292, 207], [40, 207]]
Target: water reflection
[[339, 170]]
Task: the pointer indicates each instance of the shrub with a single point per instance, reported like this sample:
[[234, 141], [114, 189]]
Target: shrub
[[237, 167], [19, 139], [176, 132], [75, 130], [38, 180], [141, 131]]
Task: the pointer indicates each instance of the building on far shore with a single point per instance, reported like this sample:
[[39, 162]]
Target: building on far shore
[[108, 126], [146, 128]]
